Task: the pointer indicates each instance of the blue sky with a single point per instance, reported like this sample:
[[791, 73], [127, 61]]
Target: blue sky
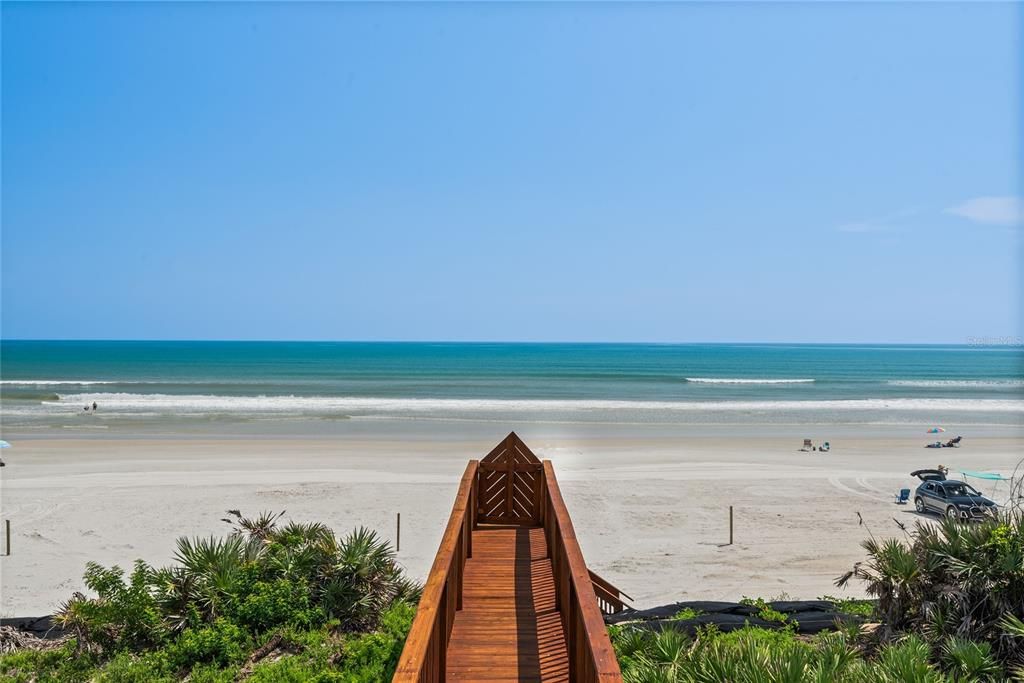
[[692, 172]]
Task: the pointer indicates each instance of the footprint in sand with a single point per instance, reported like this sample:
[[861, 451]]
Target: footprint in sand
[[36, 536]]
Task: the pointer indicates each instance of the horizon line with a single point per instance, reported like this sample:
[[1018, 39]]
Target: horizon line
[[1008, 341]]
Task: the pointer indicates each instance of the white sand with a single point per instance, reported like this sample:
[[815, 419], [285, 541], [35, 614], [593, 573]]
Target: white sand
[[651, 513]]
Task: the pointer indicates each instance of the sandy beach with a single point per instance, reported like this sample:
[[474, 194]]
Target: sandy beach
[[651, 510]]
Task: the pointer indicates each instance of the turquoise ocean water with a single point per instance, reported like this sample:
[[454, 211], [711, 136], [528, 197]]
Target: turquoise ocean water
[[47, 384]]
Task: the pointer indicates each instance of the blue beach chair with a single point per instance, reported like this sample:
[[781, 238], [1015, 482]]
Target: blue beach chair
[[902, 497]]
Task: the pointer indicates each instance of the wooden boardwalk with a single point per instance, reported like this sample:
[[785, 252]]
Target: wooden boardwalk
[[508, 628], [509, 597]]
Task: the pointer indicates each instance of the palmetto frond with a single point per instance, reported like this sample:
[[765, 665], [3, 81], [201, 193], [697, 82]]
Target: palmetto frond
[[970, 660], [296, 533], [260, 527], [952, 580], [174, 591], [77, 616]]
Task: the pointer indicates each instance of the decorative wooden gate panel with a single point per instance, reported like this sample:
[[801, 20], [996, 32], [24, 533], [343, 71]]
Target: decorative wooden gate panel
[[510, 484]]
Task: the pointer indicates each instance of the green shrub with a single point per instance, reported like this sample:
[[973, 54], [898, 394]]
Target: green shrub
[[211, 673], [397, 619], [294, 670], [687, 613], [630, 645], [908, 661], [855, 606], [123, 614], [747, 654], [61, 665], [760, 655], [126, 667], [970, 661], [203, 616], [373, 657], [263, 605], [950, 579], [221, 643], [769, 637], [765, 612], [365, 658]]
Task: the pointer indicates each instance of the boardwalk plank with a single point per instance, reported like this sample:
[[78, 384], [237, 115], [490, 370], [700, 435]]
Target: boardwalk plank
[[508, 629]]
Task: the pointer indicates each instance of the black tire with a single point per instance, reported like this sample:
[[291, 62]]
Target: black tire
[[952, 512], [919, 504]]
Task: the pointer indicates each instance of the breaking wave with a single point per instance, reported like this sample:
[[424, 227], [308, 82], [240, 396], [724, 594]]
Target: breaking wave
[[353, 405], [730, 380]]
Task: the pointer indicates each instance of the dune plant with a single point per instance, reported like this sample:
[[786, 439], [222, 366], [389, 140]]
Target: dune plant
[[352, 579], [967, 660], [687, 613], [321, 602], [952, 580], [756, 655], [765, 611]]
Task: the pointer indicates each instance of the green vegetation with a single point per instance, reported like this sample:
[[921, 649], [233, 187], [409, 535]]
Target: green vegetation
[[950, 602], [268, 602], [687, 613], [756, 655], [764, 610], [854, 606], [292, 602], [951, 579]]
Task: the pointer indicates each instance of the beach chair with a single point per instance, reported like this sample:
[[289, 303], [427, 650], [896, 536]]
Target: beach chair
[[808, 446], [902, 497]]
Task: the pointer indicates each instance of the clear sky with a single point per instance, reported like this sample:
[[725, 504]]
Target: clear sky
[[693, 172]]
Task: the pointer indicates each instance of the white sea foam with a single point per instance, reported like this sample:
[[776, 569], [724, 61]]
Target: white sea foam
[[352, 405], [730, 380]]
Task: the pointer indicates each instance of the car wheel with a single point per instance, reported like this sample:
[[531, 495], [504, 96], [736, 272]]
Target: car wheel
[[952, 512], [919, 504]]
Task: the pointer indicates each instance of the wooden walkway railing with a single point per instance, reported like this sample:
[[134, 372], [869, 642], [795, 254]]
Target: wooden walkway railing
[[424, 657], [591, 657], [609, 598], [511, 489]]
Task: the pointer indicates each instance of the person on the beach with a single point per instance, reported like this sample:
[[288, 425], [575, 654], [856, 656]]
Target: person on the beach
[[94, 406]]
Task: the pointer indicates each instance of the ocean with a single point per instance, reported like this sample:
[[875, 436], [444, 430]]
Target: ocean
[[47, 384]]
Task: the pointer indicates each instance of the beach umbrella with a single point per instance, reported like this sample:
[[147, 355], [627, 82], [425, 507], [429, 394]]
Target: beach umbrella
[[4, 444], [936, 430]]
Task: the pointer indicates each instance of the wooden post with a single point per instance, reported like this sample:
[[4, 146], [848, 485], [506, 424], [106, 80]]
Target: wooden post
[[398, 532], [7, 535], [730, 525]]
